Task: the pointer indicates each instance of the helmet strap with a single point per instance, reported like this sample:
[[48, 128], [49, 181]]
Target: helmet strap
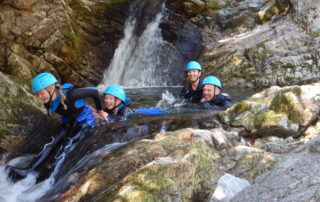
[[115, 106], [214, 92], [51, 95], [196, 80]]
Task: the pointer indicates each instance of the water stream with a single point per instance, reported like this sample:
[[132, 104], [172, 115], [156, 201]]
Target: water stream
[[104, 138], [144, 59]]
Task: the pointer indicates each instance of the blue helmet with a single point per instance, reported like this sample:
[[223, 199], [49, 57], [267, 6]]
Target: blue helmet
[[193, 65], [116, 91], [212, 80], [42, 81]]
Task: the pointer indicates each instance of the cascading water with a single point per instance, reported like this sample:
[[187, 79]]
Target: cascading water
[[145, 59]]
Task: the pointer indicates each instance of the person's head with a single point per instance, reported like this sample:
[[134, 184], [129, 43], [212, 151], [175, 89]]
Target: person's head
[[114, 96], [193, 71], [43, 85], [211, 87]]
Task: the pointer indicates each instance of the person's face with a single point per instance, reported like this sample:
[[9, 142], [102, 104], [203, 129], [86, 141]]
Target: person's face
[[193, 75], [209, 91], [44, 94], [110, 101]]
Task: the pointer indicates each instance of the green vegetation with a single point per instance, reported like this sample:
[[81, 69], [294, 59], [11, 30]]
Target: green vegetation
[[73, 37], [316, 33]]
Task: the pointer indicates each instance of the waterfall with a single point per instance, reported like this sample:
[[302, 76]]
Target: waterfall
[[145, 59]]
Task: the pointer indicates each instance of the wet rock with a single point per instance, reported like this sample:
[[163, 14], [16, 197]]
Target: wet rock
[[65, 30], [181, 166], [282, 112], [21, 114], [185, 35]]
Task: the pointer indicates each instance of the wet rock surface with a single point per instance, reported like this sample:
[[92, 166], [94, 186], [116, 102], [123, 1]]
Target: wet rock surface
[[66, 38], [257, 43], [21, 115], [181, 165], [186, 165]]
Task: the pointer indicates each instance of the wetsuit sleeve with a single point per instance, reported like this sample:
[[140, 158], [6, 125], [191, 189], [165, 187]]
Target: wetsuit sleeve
[[78, 93], [226, 102], [207, 106]]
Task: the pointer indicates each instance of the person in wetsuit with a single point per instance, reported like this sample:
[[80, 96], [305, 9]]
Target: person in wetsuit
[[117, 104], [212, 96], [193, 90], [77, 117]]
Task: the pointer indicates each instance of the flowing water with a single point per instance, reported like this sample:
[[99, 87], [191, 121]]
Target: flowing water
[[104, 138], [143, 59]]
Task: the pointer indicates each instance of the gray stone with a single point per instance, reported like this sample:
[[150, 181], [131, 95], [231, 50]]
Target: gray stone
[[227, 187], [299, 181]]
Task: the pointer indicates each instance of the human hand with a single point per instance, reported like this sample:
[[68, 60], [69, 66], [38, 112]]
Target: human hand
[[103, 115]]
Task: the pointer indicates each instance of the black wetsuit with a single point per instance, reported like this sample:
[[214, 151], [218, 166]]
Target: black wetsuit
[[192, 95], [120, 114], [75, 103], [221, 101], [77, 119]]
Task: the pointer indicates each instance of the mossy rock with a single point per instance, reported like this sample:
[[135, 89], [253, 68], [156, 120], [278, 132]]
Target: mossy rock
[[176, 166], [21, 113], [276, 111]]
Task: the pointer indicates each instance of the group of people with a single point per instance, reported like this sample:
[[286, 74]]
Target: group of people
[[78, 117], [206, 91]]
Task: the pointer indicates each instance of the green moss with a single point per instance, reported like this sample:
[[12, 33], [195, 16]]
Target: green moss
[[267, 118], [251, 165], [213, 5], [241, 107], [73, 37], [284, 104], [263, 53], [316, 33]]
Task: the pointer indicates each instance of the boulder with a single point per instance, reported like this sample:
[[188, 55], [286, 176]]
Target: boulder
[[276, 111], [179, 166], [294, 178], [21, 115]]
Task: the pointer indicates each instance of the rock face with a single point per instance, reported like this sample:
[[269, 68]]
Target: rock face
[[176, 166], [57, 36], [20, 115], [258, 43], [299, 172], [282, 112]]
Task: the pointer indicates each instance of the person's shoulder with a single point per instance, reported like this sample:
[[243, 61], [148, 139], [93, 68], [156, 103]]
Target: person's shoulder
[[226, 96]]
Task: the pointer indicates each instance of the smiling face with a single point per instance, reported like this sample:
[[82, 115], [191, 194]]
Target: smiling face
[[193, 75], [44, 94], [111, 102], [209, 91]]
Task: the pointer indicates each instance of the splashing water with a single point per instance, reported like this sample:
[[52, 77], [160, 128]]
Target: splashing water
[[25, 190], [167, 100]]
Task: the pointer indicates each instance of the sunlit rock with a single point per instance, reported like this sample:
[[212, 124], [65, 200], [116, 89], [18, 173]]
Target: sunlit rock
[[277, 111], [180, 166]]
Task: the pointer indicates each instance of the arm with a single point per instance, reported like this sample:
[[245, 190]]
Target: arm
[[79, 93], [207, 106]]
